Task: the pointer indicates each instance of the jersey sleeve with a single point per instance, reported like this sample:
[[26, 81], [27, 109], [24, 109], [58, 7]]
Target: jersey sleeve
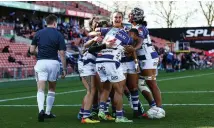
[[104, 31], [35, 39], [62, 45], [143, 32], [124, 37]]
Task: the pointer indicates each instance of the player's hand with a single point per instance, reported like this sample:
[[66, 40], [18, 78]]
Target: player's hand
[[98, 38], [63, 74], [109, 44]]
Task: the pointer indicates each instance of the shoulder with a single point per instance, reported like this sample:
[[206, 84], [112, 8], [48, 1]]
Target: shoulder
[[58, 33], [142, 28], [143, 31]]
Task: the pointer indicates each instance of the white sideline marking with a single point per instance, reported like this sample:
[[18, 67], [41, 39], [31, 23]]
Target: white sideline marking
[[183, 77], [78, 105], [183, 92], [166, 79], [31, 78], [28, 97]]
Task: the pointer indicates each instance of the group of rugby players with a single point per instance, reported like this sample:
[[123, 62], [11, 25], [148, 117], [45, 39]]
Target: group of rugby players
[[115, 62]]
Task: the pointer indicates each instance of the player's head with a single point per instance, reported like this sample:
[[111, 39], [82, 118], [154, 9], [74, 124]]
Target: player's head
[[94, 22], [136, 15], [134, 33], [51, 20], [117, 19], [103, 23]]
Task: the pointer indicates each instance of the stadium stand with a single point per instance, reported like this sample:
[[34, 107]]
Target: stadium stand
[[17, 51]]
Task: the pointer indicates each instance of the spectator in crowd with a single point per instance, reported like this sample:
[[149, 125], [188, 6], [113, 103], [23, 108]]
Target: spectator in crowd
[[169, 62], [6, 49], [11, 59], [177, 62], [12, 39]]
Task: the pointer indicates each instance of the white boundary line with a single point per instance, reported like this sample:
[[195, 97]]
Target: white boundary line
[[31, 78], [183, 77], [75, 75], [174, 78], [77, 105], [188, 92], [28, 97]]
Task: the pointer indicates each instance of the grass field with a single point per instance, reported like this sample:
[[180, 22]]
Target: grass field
[[188, 99]]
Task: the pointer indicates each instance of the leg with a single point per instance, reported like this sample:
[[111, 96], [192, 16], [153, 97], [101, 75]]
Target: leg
[[118, 98], [150, 77], [104, 94], [95, 106], [41, 99], [132, 82], [40, 95], [80, 114], [50, 98], [88, 100], [145, 91]]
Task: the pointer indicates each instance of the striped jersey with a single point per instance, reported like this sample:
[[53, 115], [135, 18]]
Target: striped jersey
[[147, 50], [118, 37], [88, 57]]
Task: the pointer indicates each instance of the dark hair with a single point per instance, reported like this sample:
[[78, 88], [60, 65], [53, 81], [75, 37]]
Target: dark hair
[[144, 23], [118, 12], [91, 23], [135, 31], [50, 19], [102, 23]]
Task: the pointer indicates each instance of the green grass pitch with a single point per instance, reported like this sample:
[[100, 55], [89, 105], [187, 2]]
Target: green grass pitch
[[188, 99]]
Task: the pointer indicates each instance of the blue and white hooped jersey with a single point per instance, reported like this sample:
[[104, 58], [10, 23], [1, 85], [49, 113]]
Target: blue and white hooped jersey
[[147, 50], [88, 57], [68, 55], [119, 37]]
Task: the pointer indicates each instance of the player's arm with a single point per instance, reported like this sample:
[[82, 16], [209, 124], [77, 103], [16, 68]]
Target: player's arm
[[90, 42], [97, 32], [62, 49], [33, 50], [139, 43], [34, 45], [134, 55], [131, 52], [99, 47], [96, 48]]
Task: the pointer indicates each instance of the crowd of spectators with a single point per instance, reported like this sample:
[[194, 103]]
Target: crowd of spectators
[[169, 61], [172, 61], [26, 26]]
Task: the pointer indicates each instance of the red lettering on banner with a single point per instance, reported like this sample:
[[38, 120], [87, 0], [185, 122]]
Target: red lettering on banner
[[88, 15], [72, 13], [79, 14]]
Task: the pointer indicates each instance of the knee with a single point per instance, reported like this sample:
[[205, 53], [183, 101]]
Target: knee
[[119, 91], [144, 88], [91, 91]]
